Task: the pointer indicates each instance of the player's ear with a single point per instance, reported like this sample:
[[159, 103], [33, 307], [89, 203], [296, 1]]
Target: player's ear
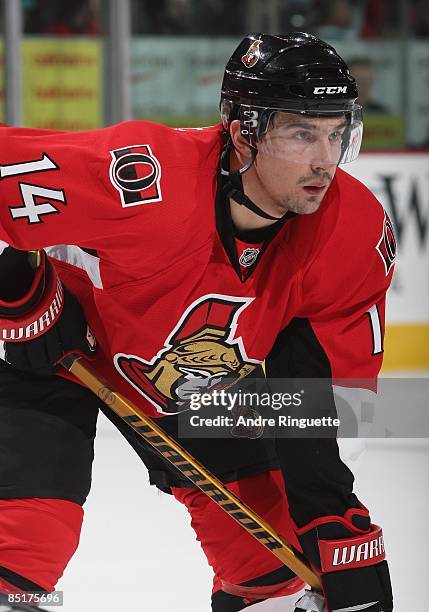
[[241, 146]]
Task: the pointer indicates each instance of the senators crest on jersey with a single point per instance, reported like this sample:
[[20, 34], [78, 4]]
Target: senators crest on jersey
[[201, 353], [136, 173]]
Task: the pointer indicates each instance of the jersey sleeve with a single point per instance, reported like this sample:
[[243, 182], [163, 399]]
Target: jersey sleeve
[[344, 297], [338, 339], [66, 188]]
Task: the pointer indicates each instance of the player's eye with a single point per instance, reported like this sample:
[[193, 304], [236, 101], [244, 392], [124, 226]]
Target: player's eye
[[304, 136], [336, 136]]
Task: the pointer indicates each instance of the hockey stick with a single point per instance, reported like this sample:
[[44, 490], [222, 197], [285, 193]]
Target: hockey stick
[[191, 468]]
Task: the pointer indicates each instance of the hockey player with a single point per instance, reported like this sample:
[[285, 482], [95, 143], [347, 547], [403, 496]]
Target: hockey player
[[196, 255]]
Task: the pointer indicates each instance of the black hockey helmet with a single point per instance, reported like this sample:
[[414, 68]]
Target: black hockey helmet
[[296, 73]]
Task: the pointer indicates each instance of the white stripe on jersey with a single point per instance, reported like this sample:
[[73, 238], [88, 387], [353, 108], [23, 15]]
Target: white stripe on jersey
[[81, 259]]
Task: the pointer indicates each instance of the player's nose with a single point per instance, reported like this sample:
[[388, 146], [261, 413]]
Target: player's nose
[[323, 155]]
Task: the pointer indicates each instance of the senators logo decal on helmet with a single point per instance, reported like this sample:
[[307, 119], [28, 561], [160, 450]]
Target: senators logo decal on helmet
[[253, 54], [136, 173]]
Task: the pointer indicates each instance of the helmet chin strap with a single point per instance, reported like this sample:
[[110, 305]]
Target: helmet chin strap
[[233, 186]]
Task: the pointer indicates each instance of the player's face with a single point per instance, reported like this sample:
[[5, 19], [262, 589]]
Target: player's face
[[297, 159]]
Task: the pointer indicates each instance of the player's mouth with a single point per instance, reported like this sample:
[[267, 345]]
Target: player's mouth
[[315, 188]]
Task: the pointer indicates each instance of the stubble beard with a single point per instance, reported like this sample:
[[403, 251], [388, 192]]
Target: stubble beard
[[300, 206]]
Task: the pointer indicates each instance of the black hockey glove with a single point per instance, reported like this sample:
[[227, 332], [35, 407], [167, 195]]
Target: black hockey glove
[[348, 555], [42, 327]]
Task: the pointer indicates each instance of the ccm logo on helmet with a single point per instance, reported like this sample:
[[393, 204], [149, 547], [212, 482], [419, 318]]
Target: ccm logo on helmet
[[330, 89]]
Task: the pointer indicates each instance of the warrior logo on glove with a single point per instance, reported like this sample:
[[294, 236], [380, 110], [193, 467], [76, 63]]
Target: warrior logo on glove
[[199, 354]]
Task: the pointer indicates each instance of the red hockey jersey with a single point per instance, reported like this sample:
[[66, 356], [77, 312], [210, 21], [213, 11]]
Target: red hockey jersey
[[133, 220]]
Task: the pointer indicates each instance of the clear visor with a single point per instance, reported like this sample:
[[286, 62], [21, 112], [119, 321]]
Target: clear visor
[[330, 138]]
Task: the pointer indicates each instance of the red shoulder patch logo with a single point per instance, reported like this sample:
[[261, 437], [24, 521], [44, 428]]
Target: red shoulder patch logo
[[136, 173], [386, 246], [253, 55]]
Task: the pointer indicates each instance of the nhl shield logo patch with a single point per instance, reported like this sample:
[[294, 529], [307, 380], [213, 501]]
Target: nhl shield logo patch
[[248, 257]]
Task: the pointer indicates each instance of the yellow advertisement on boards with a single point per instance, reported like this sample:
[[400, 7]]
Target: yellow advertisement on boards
[[61, 83]]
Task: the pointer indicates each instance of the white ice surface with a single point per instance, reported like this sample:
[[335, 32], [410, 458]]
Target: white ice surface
[[139, 553]]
